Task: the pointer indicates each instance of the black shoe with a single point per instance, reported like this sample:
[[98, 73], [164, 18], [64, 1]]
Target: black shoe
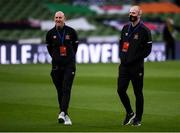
[[136, 122], [128, 119]]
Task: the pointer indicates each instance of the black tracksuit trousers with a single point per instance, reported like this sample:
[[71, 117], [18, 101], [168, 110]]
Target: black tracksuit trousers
[[134, 74], [63, 79], [170, 51]]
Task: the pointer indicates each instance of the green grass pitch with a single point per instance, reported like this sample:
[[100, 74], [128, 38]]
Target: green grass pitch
[[28, 100]]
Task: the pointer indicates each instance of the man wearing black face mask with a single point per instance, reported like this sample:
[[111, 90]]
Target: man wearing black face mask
[[133, 18], [135, 44]]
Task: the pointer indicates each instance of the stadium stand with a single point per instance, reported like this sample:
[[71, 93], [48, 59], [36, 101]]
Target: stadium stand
[[18, 11]]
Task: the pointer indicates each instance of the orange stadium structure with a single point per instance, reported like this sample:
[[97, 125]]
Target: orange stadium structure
[[162, 7]]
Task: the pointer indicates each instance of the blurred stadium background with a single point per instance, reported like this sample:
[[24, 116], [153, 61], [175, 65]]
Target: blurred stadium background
[[96, 21], [27, 96], [26, 19]]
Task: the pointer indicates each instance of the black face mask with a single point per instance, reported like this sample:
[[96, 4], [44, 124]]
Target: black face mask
[[133, 18]]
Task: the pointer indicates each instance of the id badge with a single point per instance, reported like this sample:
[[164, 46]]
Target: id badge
[[125, 46], [63, 50]]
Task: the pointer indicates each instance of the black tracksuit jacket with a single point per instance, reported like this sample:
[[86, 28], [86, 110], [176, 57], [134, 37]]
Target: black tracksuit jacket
[[140, 44], [70, 41]]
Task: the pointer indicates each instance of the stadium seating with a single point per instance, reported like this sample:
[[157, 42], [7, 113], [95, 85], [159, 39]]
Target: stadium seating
[[15, 10]]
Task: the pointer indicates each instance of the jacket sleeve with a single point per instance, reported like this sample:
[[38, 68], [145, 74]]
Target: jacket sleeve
[[75, 41], [147, 45], [48, 42], [121, 42]]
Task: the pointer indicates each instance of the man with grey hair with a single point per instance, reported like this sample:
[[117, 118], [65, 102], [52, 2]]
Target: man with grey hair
[[62, 44], [135, 44]]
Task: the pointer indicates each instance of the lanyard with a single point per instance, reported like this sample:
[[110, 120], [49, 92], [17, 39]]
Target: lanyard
[[130, 34], [61, 38]]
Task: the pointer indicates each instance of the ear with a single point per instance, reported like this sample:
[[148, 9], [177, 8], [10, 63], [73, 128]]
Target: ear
[[140, 12], [54, 17]]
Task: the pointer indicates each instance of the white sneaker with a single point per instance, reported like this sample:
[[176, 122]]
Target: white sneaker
[[61, 117], [67, 120]]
